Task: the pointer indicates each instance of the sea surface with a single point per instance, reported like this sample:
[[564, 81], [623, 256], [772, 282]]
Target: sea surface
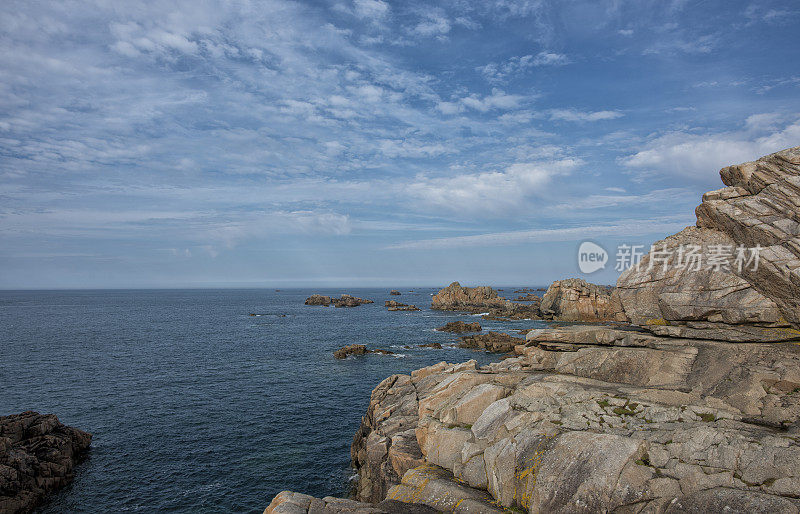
[[197, 406]]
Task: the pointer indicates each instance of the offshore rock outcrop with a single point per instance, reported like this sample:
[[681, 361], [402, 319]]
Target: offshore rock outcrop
[[345, 300], [459, 327], [392, 305], [731, 300], [474, 299], [37, 456]]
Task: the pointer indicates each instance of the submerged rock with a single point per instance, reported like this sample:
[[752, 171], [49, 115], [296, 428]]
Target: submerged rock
[[459, 327], [37, 456]]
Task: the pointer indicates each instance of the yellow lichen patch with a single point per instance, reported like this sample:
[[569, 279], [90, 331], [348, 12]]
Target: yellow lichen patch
[[528, 471], [657, 321]]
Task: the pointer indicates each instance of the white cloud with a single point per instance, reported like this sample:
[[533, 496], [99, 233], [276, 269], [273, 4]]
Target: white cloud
[[497, 100], [434, 24], [700, 156], [500, 72], [626, 227], [371, 9], [580, 116], [490, 191]]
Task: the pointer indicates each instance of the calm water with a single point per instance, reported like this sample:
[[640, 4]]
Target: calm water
[[195, 405]]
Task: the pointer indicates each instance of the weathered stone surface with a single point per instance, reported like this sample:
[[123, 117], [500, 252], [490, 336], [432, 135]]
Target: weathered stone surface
[[459, 327], [37, 456], [491, 342], [733, 301], [577, 300], [288, 502], [628, 420], [435, 487]]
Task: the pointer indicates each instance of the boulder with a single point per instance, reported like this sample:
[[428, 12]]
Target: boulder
[[351, 349], [318, 299], [723, 294], [459, 327], [575, 299], [395, 292], [357, 349], [37, 456]]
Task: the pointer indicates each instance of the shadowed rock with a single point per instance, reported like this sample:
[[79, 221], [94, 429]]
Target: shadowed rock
[[459, 327], [37, 456]]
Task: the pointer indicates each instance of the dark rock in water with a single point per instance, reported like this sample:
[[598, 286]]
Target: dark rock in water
[[437, 346], [459, 327], [37, 456], [392, 305], [394, 292], [350, 301], [318, 299], [491, 342], [351, 349], [357, 349], [529, 297]]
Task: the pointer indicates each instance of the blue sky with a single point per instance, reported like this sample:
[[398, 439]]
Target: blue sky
[[367, 142]]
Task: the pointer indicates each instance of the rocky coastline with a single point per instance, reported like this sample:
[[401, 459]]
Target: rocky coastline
[[684, 396], [37, 456]]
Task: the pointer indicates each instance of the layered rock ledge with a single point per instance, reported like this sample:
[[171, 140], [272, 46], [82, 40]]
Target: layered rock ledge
[[37, 456]]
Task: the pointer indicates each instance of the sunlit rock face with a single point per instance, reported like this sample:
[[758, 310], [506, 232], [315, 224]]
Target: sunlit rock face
[[755, 294]]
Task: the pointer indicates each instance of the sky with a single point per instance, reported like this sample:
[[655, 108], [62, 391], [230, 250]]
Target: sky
[[372, 143]]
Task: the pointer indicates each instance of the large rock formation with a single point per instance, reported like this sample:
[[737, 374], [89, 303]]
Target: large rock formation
[[591, 419], [37, 456], [715, 295], [457, 298], [574, 299]]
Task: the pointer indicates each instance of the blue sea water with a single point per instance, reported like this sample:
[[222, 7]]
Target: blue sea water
[[196, 406]]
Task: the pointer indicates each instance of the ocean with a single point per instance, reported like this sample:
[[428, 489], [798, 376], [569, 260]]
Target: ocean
[[197, 406]]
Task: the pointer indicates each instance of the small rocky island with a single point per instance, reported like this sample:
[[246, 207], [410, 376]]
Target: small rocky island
[[693, 405], [344, 301], [37, 456]]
